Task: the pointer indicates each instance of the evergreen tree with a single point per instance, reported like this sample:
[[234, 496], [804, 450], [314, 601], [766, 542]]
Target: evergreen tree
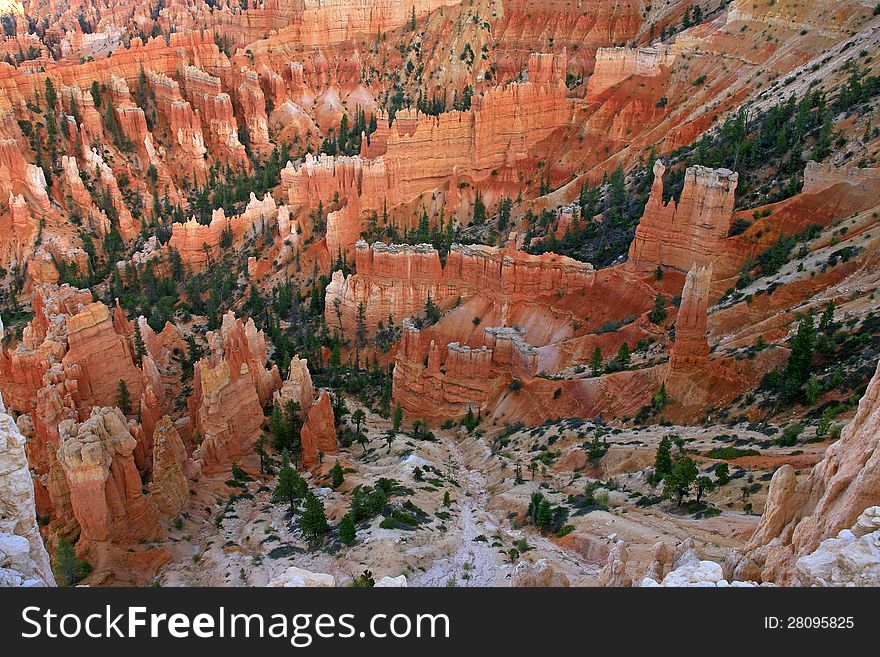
[[139, 348], [291, 486], [364, 580], [679, 481], [658, 312], [313, 521], [479, 210], [544, 518], [704, 485], [617, 199], [623, 355], [826, 322], [67, 567], [596, 361], [661, 398], [397, 417], [663, 459], [338, 476], [432, 312], [800, 359], [722, 472], [123, 399], [347, 532]]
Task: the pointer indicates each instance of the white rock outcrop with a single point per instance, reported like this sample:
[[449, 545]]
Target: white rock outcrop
[[23, 557], [391, 582], [295, 577], [852, 558]]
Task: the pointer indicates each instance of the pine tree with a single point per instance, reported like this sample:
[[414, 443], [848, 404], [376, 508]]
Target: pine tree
[[347, 532], [139, 348], [704, 485], [479, 210], [67, 567], [278, 428], [663, 459], [291, 486], [544, 518], [313, 522], [722, 472], [617, 199], [123, 399], [623, 355], [800, 359], [432, 312], [661, 398], [596, 361], [658, 312], [679, 481], [338, 476], [826, 322], [397, 417]]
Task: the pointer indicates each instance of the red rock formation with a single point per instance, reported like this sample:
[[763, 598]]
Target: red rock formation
[[500, 130], [105, 487], [18, 233], [396, 280], [318, 435], [820, 177], [679, 235], [99, 357], [253, 106], [168, 486], [17, 176], [691, 346], [127, 227], [298, 386], [199, 244], [43, 342], [614, 65], [183, 124], [230, 388], [215, 110], [799, 515], [434, 381]]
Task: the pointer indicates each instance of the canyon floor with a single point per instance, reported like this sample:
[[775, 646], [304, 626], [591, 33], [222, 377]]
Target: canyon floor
[[239, 537]]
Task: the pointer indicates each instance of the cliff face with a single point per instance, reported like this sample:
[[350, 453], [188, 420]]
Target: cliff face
[[691, 231], [23, 558], [614, 65], [798, 516], [395, 281], [230, 388], [105, 487]]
